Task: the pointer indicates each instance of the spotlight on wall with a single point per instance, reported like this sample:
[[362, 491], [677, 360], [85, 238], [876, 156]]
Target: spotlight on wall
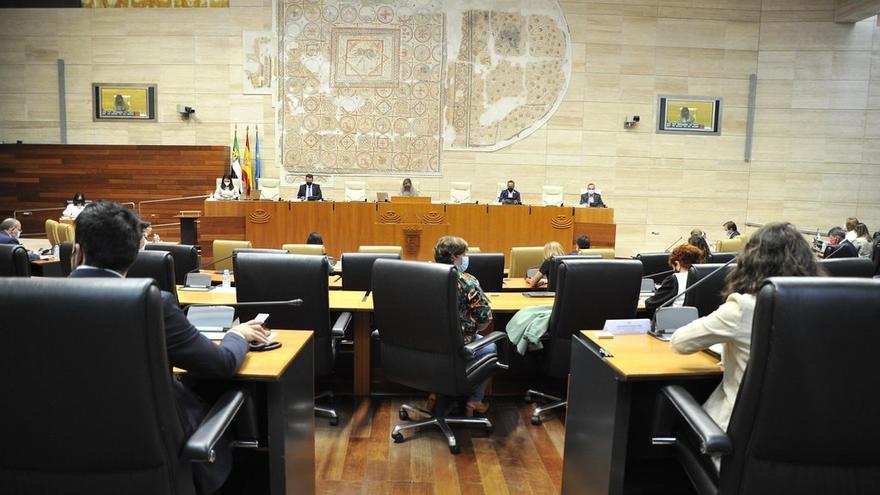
[[631, 121], [185, 111]]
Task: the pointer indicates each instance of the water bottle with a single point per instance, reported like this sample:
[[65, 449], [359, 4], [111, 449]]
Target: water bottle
[[56, 251], [226, 280], [155, 237]]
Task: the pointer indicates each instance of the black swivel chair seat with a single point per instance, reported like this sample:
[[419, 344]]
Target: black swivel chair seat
[[186, 258], [14, 261], [848, 267], [88, 402], [416, 310], [158, 265], [488, 268], [805, 419], [655, 265], [707, 297], [357, 269]]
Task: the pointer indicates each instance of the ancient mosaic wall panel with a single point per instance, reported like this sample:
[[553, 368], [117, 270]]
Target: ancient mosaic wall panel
[[361, 89]]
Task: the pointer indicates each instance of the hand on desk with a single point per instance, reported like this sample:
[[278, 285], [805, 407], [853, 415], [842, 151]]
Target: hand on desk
[[252, 331]]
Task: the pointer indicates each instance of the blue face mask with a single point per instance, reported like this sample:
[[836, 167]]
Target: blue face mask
[[463, 266]]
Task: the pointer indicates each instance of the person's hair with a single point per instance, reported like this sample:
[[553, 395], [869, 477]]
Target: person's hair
[[511, 182], [79, 199], [775, 250], [686, 255], [730, 225], [583, 242], [876, 235], [448, 247], [224, 179], [698, 232], [700, 243], [851, 223], [310, 176], [862, 230], [405, 181], [590, 184], [837, 232], [552, 249], [314, 238], [109, 235], [8, 223]]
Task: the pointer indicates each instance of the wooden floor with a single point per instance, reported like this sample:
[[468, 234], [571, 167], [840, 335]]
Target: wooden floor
[[359, 457]]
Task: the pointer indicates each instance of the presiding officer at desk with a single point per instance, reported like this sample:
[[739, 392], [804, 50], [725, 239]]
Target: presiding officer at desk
[[510, 196], [10, 231], [108, 237], [592, 198], [309, 191]]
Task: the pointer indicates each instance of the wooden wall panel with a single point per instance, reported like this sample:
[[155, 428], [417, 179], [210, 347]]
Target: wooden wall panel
[[47, 175]]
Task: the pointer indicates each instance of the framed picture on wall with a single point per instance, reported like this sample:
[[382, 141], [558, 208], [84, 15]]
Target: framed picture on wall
[[117, 101], [689, 115]]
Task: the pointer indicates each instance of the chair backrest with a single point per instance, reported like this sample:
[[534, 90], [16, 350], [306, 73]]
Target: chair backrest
[[282, 277], [474, 249], [805, 418], [416, 311], [223, 249], [96, 349], [554, 268], [355, 190], [357, 269], [655, 265], [304, 248], [729, 245], [552, 196], [65, 257], [722, 257], [268, 188], [186, 258], [523, 258], [876, 257], [459, 192], [238, 251], [52, 232], [605, 253], [488, 268], [848, 267], [588, 292], [707, 297], [14, 261], [381, 249], [64, 232], [157, 265]]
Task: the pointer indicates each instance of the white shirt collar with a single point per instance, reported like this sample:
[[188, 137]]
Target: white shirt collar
[[89, 267]]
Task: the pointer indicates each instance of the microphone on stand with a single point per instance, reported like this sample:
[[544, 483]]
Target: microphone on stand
[[673, 244], [210, 263]]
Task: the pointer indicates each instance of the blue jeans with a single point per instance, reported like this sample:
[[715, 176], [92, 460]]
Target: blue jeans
[[479, 391]]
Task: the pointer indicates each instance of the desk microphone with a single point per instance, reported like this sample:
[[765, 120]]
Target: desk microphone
[[652, 275], [832, 253], [210, 263], [673, 244], [291, 302]]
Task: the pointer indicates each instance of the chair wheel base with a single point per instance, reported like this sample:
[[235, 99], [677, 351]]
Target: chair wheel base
[[455, 449], [398, 437], [334, 421], [536, 420], [403, 415]]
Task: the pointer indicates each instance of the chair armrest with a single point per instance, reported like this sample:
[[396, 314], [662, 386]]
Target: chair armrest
[[341, 324], [471, 349], [200, 446], [713, 440]]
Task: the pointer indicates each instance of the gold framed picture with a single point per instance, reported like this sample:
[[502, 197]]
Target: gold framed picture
[[122, 101]]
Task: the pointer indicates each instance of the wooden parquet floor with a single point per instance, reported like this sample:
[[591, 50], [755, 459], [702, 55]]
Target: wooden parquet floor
[[359, 456]]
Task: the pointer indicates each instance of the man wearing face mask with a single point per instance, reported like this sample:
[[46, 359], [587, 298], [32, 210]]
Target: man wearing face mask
[[592, 198], [10, 231], [510, 196], [474, 313], [309, 191]]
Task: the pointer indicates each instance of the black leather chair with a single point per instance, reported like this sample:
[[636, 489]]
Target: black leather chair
[[158, 265], [876, 257], [848, 267], [357, 269], [721, 257], [488, 268], [554, 268], [89, 404], [707, 297], [805, 419], [14, 261], [282, 277], [65, 257], [416, 311], [655, 265], [236, 251], [588, 292], [186, 258]]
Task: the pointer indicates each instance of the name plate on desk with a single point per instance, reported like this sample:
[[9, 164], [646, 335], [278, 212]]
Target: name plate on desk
[[627, 327]]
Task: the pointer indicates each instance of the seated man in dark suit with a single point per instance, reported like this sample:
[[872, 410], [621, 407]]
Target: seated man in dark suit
[[838, 246], [582, 242], [592, 198], [309, 191], [10, 230], [108, 237], [510, 196]]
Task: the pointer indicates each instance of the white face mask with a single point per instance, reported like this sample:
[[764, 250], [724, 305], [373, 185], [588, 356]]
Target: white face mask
[[591, 191], [463, 264], [17, 234]]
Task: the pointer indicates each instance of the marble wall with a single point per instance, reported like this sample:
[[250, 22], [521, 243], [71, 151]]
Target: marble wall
[[816, 153]]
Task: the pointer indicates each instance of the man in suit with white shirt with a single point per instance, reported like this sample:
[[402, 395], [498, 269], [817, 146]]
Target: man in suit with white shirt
[[510, 196], [592, 198], [309, 191]]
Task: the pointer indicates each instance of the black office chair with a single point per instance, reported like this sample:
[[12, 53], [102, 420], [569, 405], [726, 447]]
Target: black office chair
[[722, 257], [416, 310], [805, 419], [14, 261], [158, 265], [848, 267], [655, 265], [588, 292], [65, 257], [707, 297], [186, 258], [89, 404], [357, 269], [282, 277], [237, 251], [876, 258], [488, 268]]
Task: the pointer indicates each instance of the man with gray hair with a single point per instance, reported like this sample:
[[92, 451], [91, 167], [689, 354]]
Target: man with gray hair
[[10, 231]]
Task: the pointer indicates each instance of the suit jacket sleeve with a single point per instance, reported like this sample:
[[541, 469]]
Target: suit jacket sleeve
[[668, 289], [599, 201], [302, 191], [192, 351], [583, 199], [316, 192]]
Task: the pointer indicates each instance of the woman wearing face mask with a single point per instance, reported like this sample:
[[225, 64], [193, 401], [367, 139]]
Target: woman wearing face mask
[[680, 259], [226, 190], [74, 207], [542, 277], [474, 312], [407, 188]]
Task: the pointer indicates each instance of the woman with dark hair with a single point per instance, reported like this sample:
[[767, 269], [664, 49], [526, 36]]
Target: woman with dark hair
[[226, 189], [700, 243], [680, 259], [315, 238], [74, 206], [407, 188], [775, 250], [863, 241]]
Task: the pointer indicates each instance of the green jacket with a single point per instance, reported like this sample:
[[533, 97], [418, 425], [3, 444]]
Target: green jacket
[[527, 327]]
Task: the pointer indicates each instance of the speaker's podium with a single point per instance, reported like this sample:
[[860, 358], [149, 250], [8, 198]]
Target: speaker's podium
[[596, 223], [189, 232]]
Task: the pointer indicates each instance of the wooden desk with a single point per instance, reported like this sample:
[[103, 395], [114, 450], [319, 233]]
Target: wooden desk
[[46, 268], [613, 387], [286, 392]]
